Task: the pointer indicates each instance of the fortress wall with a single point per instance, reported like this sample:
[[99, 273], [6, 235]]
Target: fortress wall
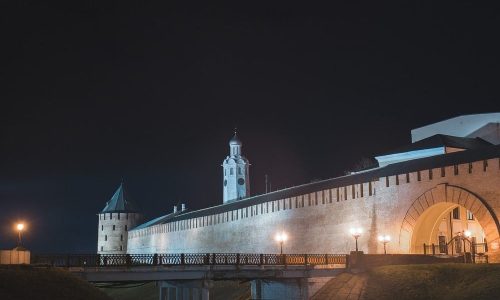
[[319, 222]]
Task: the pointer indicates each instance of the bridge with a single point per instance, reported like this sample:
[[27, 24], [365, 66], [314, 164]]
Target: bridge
[[189, 275]]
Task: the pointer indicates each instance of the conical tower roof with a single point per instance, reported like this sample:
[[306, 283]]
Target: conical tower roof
[[119, 202]]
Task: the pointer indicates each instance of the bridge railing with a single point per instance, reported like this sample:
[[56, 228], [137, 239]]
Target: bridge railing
[[129, 260]]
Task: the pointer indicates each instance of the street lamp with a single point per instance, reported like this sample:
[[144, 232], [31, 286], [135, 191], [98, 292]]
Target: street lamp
[[20, 227], [467, 235], [280, 238], [384, 239], [356, 233]]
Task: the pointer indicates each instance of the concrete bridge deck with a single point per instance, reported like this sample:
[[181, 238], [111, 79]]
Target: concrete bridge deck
[[160, 273]]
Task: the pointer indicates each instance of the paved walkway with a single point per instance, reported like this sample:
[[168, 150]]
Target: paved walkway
[[346, 286]]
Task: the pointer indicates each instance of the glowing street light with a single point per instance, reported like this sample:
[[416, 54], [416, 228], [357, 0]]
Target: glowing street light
[[20, 228], [356, 233], [466, 236], [280, 238], [384, 239]]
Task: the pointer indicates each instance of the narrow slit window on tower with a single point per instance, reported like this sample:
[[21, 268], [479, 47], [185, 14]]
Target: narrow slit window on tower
[[121, 247], [370, 188], [470, 168], [353, 191], [407, 177], [105, 237], [361, 189], [455, 169], [119, 216], [397, 179], [114, 226], [121, 237], [102, 227], [239, 170], [419, 176], [387, 181], [485, 165], [126, 229], [430, 174], [338, 195], [443, 172], [231, 171], [345, 193]]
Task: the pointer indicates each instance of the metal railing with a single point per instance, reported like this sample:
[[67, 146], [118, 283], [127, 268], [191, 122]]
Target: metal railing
[[129, 260], [460, 246]]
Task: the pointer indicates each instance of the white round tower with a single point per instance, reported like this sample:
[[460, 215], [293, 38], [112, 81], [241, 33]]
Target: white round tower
[[235, 173], [118, 217]]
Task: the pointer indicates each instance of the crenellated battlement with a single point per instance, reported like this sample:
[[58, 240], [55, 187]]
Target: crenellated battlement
[[332, 196]]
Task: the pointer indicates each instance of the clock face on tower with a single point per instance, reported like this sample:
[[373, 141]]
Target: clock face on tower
[[241, 181], [225, 182]]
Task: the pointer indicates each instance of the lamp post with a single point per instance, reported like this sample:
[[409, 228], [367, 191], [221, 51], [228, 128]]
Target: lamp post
[[384, 239], [356, 233], [20, 227], [467, 234], [281, 238], [472, 246]]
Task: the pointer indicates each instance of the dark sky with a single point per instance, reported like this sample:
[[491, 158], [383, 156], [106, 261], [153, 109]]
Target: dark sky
[[93, 92]]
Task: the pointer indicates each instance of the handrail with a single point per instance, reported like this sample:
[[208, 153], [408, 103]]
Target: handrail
[[165, 259]]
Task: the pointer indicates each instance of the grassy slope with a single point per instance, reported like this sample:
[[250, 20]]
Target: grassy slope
[[25, 282], [438, 281]]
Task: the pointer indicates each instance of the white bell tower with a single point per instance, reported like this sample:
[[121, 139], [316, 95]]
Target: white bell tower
[[235, 176]]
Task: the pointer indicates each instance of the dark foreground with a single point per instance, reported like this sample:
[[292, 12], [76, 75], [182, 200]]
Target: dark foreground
[[221, 290], [437, 281], [28, 283]]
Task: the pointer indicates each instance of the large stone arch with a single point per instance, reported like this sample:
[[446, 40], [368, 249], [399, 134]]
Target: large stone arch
[[484, 214]]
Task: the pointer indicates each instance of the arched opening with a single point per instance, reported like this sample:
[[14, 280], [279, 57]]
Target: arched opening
[[447, 228], [441, 213]]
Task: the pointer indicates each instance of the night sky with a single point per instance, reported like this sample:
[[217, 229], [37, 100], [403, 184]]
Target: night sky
[[92, 93]]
